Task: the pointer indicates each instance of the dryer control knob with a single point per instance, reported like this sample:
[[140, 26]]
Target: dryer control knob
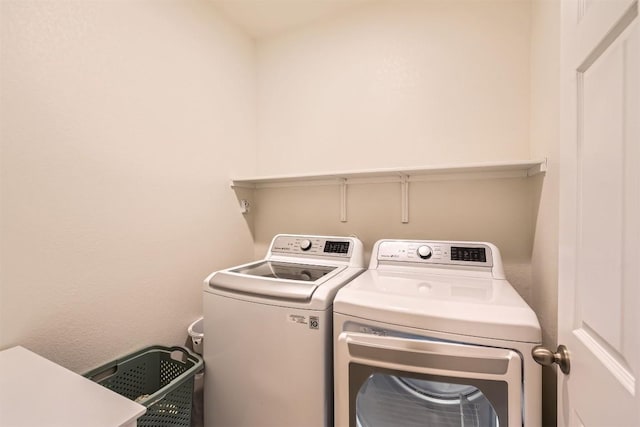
[[305, 245], [424, 252]]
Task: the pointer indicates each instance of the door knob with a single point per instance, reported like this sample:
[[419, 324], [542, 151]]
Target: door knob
[[547, 358]]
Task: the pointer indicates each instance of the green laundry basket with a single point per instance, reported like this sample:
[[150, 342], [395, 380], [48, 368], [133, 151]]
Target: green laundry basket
[[160, 378]]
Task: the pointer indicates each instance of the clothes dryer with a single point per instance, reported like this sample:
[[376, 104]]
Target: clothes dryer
[[433, 334], [268, 349]]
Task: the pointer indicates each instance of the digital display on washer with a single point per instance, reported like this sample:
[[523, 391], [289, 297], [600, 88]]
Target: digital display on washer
[[459, 253], [336, 247]]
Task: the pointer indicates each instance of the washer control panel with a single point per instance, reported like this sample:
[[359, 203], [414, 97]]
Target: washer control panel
[[312, 245], [436, 252]]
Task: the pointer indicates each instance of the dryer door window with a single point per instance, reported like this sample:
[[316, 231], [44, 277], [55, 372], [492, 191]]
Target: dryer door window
[[388, 398]]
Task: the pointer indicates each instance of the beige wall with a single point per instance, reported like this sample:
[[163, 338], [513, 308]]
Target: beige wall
[[545, 138], [396, 83], [121, 124]]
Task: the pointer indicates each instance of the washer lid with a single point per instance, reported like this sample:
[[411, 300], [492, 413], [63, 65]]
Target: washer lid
[[285, 270], [276, 279], [479, 307]]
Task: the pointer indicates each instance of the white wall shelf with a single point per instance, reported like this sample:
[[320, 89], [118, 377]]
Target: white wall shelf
[[489, 170], [521, 168]]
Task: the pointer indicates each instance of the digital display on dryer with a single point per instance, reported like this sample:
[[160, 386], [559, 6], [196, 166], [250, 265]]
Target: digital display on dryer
[[336, 247], [459, 253]]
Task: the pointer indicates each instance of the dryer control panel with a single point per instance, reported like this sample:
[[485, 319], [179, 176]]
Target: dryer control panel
[[437, 252]]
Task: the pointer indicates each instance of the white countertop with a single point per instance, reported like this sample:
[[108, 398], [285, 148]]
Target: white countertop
[[37, 392]]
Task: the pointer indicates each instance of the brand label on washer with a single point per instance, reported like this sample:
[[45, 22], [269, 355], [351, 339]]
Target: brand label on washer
[[312, 321], [298, 318]]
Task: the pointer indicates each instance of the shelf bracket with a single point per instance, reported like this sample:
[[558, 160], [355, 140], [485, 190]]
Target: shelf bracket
[[538, 168], [404, 188], [343, 200]]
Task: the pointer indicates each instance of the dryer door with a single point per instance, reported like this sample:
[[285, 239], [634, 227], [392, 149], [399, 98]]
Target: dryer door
[[400, 382]]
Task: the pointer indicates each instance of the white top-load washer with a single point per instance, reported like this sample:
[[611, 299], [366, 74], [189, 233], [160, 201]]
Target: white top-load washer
[[433, 334], [268, 324]]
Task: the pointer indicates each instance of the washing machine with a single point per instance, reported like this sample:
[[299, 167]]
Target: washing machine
[[433, 334], [268, 350]]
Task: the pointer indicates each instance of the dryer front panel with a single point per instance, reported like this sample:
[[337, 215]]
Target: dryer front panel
[[405, 382]]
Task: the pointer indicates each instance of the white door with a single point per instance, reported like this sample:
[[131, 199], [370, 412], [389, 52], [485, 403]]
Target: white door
[[599, 281]]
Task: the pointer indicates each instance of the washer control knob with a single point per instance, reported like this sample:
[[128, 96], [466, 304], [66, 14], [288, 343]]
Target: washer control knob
[[305, 245], [424, 252]]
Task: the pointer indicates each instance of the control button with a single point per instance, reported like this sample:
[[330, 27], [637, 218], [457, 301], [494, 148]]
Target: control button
[[424, 252], [305, 245]]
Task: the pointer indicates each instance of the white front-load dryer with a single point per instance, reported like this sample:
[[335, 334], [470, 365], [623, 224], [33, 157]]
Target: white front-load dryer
[[433, 334], [268, 324]]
